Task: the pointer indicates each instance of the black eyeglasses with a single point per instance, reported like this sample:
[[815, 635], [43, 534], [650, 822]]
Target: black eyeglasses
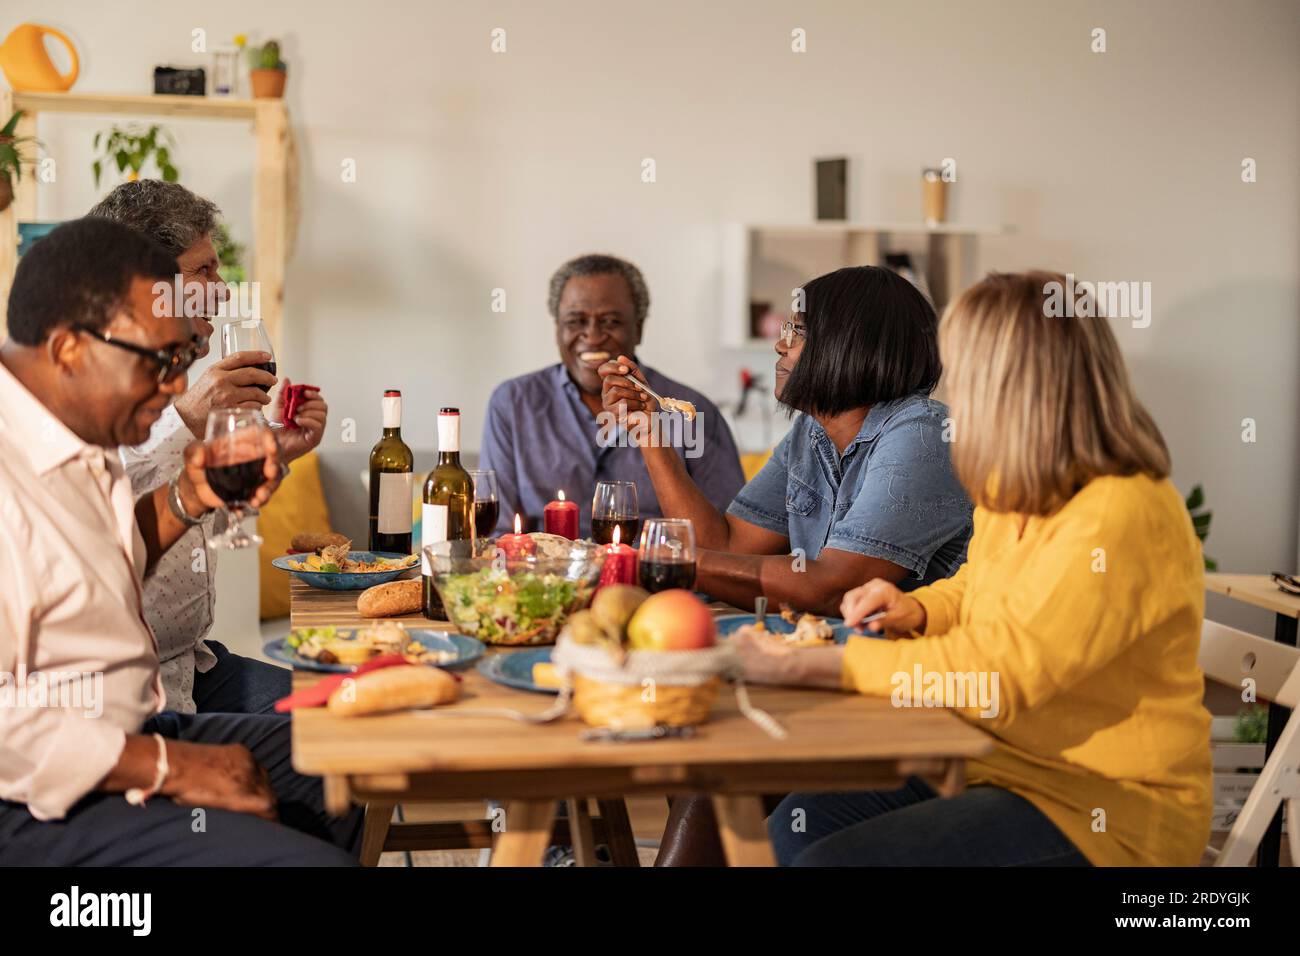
[[172, 362]]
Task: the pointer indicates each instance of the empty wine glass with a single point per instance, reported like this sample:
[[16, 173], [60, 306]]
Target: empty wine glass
[[486, 506], [615, 506], [667, 556], [234, 465]]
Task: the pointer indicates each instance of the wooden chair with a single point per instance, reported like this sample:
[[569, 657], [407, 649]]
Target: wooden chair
[[1230, 656]]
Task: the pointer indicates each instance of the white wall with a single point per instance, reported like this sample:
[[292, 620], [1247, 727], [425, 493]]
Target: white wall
[[479, 171]]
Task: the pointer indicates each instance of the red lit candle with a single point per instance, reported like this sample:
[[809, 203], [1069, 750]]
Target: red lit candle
[[620, 563], [561, 517], [517, 545]]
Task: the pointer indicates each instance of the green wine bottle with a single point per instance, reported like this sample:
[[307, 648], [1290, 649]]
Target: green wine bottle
[[448, 513], [391, 472]]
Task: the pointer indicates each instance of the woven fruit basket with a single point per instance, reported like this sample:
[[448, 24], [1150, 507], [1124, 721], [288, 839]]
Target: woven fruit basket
[[643, 688]]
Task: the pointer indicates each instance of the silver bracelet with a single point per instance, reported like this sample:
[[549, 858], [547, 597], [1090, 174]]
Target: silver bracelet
[[177, 508], [138, 796]]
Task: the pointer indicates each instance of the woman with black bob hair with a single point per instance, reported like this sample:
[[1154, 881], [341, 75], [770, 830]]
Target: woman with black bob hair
[[860, 487], [861, 484]]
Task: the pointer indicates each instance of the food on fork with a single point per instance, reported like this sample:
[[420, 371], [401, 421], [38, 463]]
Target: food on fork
[[393, 688], [391, 599], [679, 405]]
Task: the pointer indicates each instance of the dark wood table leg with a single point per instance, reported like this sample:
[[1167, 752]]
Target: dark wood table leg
[[618, 832]]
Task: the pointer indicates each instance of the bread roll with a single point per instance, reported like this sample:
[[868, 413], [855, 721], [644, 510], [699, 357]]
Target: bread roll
[[393, 688], [391, 599], [315, 540]]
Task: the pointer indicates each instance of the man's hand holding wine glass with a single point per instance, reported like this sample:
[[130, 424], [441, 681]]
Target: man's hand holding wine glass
[[239, 380]]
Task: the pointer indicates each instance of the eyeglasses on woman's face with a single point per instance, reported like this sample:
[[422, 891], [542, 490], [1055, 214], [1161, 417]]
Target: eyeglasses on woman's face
[[791, 331], [171, 362]]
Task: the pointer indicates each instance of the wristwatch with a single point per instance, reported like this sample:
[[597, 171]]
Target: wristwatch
[[177, 508]]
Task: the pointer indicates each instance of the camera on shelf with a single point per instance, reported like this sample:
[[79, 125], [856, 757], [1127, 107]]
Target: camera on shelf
[[179, 81]]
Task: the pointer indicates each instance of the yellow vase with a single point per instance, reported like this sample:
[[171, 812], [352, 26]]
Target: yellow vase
[[27, 66]]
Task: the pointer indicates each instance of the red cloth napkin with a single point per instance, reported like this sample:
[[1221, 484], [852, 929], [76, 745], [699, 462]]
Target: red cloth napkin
[[318, 694]]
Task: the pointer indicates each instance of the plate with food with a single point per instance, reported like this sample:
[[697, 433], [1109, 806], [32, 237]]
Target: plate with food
[[335, 567], [530, 670], [338, 650], [798, 629]]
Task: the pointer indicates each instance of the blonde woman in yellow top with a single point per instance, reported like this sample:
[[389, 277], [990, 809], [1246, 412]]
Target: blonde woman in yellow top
[[1070, 634]]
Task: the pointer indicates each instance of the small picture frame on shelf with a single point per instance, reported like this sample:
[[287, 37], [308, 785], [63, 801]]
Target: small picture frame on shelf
[[832, 189]]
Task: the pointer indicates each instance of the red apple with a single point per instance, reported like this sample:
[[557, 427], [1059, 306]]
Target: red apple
[[671, 621]]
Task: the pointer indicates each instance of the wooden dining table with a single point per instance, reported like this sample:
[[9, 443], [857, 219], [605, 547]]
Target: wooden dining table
[[835, 741]]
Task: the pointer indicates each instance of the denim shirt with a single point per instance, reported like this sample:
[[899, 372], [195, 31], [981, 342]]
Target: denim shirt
[[893, 494]]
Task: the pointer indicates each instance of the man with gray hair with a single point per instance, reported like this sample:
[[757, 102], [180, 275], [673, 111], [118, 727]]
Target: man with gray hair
[[179, 596], [545, 431]]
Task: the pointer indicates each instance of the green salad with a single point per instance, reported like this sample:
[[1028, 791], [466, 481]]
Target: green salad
[[500, 608]]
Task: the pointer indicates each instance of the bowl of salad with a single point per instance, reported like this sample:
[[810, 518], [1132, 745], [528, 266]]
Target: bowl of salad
[[514, 599]]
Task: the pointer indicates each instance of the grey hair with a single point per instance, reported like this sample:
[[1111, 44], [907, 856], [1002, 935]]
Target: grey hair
[[167, 213], [599, 265]]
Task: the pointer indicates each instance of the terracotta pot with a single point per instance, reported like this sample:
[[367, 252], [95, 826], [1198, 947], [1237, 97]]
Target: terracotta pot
[[6, 192], [267, 84]]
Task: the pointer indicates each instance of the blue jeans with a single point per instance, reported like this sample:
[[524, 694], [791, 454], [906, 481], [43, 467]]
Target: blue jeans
[[912, 826], [240, 685]]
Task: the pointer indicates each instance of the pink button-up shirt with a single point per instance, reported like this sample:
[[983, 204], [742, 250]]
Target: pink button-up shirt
[[78, 664]]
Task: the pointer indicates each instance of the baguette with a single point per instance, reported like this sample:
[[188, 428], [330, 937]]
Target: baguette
[[391, 599], [315, 540], [393, 688]]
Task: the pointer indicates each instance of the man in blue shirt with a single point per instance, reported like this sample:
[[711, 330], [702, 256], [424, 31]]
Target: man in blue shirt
[[547, 431]]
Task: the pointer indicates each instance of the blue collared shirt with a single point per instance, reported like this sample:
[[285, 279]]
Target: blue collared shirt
[[539, 437], [892, 494]]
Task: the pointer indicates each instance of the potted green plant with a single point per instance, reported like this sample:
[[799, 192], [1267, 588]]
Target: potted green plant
[[1201, 522], [267, 71], [12, 158], [230, 255], [130, 147]]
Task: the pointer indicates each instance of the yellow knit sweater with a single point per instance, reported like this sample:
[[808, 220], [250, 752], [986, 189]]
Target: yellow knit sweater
[[1091, 620]]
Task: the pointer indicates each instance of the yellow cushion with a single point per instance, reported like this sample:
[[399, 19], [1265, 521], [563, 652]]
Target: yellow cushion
[[753, 462], [297, 505]]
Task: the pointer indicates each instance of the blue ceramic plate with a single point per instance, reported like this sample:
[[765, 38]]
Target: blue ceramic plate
[[345, 581], [732, 622], [515, 669], [468, 650]]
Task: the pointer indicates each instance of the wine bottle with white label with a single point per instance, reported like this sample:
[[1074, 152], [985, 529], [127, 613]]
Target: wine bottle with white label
[[391, 479], [448, 513]]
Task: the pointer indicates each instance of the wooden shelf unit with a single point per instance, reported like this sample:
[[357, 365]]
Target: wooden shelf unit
[[272, 192], [765, 263]]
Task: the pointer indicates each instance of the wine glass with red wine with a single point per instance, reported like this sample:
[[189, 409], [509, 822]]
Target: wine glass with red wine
[[249, 335], [234, 464], [615, 506], [486, 506], [667, 554]]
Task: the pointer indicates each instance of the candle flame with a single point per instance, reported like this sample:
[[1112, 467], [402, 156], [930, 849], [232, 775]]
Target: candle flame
[[560, 493], [519, 523], [617, 529]]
